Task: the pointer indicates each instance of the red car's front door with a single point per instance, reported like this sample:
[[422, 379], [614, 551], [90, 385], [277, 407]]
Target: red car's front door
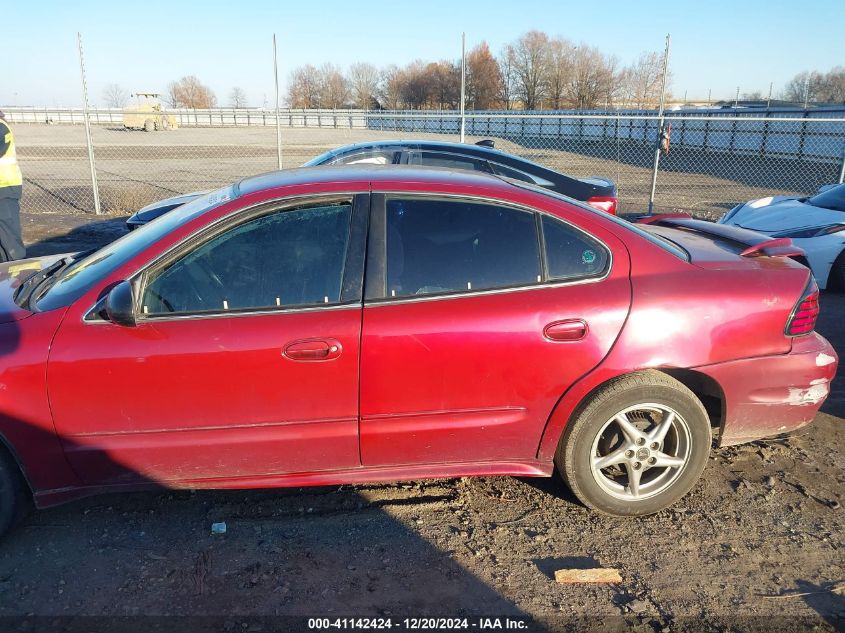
[[243, 362], [488, 314]]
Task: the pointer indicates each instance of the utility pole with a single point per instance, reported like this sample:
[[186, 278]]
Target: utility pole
[[659, 126], [463, 83], [278, 121], [736, 100], [91, 162], [769, 100], [709, 92]]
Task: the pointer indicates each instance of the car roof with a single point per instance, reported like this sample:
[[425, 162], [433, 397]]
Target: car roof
[[466, 148], [383, 174]]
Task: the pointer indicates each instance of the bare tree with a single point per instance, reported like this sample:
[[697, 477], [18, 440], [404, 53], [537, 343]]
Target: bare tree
[[334, 89], [817, 87], [483, 77], [592, 78], [415, 85], [390, 88], [364, 84], [641, 81], [507, 77], [237, 98], [530, 65], [115, 96], [304, 87], [833, 87], [561, 63], [443, 79], [189, 92]]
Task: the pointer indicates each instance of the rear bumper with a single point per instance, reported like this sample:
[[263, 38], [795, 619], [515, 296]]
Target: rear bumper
[[770, 395]]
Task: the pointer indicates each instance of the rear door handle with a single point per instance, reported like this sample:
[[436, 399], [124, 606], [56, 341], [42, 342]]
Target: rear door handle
[[566, 330], [313, 349]]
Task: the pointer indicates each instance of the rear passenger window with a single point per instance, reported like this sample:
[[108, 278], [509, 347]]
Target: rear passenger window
[[369, 157], [449, 161], [571, 254], [507, 172], [439, 246]]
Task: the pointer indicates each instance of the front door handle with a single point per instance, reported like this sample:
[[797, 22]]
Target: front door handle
[[313, 349], [566, 330]]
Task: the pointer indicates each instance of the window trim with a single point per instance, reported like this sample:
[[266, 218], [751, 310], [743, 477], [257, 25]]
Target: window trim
[[375, 282], [353, 272]]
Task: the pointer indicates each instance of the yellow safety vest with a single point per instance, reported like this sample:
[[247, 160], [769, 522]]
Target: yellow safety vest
[[10, 173]]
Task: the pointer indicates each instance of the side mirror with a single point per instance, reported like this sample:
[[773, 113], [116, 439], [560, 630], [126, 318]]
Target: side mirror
[[120, 304]]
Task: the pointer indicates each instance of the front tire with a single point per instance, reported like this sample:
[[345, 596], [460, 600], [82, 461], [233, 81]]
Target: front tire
[[637, 446], [836, 276]]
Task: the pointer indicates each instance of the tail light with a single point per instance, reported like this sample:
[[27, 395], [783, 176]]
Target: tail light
[[603, 203], [806, 311]]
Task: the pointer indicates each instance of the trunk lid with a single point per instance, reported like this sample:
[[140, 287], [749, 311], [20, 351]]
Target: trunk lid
[[716, 246]]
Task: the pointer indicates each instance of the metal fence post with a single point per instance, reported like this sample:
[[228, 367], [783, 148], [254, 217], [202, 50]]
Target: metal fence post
[[463, 83], [91, 163], [278, 124], [842, 169], [659, 128]]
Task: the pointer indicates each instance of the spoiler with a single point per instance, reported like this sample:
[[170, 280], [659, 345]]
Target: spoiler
[[756, 244]]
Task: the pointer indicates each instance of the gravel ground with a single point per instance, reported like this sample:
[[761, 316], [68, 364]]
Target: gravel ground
[[757, 545], [135, 168]]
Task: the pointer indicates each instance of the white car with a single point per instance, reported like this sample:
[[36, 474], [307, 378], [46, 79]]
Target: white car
[[815, 224]]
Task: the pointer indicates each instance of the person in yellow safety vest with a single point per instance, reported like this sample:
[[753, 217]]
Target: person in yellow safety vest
[[11, 243]]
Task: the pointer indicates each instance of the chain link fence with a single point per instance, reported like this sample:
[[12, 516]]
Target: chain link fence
[[715, 159]]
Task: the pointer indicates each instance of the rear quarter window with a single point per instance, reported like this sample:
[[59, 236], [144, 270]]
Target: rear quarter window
[[570, 253]]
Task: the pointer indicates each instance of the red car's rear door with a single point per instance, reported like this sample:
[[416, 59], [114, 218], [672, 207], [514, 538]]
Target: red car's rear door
[[479, 318], [244, 360]]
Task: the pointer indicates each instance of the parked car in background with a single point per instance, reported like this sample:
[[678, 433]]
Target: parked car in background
[[498, 328], [159, 208], [597, 192], [814, 223]]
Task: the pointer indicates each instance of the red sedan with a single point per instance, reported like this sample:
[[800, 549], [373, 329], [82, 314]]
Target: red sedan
[[341, 325]]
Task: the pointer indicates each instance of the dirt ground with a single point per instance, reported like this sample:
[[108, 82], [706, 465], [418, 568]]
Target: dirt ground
[[758, 544]]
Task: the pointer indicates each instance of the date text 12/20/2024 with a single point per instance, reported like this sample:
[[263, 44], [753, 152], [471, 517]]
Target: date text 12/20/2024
[[419, 624]]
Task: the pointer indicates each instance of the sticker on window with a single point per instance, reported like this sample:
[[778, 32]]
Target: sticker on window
[[588, 256]]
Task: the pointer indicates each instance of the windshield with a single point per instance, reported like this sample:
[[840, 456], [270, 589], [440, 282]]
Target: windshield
[[77, 278], [833, 199]]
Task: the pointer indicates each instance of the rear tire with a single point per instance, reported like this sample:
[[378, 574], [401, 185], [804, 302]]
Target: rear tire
[[15, 500], [637, 446], [149, 125], [836, 276]]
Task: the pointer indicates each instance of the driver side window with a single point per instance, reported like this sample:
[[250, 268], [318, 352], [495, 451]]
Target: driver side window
[[289, 258]]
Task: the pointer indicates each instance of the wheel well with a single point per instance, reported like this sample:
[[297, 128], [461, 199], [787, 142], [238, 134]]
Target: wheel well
[[705, 389], [8, 454]]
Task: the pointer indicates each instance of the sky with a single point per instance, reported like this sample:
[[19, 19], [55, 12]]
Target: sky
[[142, 46]]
